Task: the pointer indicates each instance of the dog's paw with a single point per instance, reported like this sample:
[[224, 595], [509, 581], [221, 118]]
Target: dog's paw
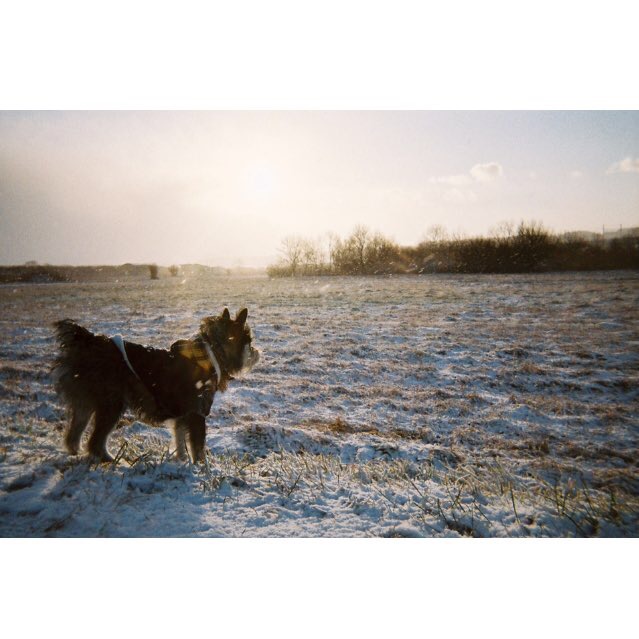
[[102, 457], [72, 449]]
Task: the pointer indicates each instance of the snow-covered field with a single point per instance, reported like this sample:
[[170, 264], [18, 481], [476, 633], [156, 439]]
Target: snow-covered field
[[406, 406]]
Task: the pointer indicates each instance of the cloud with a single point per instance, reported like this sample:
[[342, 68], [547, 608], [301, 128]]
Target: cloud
[[479, 173], [459, 191], [487, 172], [575, 175], [627, 165]]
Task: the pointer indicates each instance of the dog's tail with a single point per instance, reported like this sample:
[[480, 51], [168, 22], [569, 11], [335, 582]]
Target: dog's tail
[[90, 370], [71, 368], [71, 335]]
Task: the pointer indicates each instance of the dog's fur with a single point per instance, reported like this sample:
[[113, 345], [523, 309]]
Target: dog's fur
[[94, 379]]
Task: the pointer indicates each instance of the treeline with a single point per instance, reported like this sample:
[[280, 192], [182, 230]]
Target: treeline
[[527, 248], [34, 273]]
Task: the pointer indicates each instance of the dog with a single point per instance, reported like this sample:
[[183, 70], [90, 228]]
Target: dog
[[102, 376]]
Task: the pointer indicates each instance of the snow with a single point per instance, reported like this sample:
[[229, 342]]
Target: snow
[[402, 406]]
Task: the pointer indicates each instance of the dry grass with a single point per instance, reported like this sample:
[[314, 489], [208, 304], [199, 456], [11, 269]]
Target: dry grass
[[339, 426]]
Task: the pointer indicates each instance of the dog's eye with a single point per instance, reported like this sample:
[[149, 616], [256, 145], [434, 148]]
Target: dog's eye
[[231, 339]]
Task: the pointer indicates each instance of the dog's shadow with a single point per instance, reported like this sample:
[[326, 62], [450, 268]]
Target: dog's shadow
[[148, 494]]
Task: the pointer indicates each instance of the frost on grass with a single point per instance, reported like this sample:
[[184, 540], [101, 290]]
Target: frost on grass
[[395, 407]]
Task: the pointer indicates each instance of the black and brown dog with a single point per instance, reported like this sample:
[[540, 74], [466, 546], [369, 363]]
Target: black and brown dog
[[102, 376]]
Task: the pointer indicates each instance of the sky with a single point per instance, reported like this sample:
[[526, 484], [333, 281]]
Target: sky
[[226, 187]]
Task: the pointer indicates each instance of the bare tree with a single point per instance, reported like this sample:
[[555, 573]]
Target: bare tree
[[292, 250], [311, 256], [503, 230], [363, 253], [332, 240], [382, 254], [359, 240], [437, 233]]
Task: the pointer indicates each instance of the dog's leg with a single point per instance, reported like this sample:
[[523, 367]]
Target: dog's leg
[[196, 426], [80, 417], [106, 417], [179, 430]]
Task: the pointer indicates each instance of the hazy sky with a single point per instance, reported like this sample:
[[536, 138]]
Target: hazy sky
[[226, 187]]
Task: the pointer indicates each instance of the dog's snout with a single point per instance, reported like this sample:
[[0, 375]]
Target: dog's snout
[[250, 357]]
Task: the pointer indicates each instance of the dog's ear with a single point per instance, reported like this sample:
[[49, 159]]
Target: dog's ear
[[241, 316], [226, 316]]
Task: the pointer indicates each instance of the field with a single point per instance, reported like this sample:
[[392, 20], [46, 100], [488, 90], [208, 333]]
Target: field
[[402, 406]]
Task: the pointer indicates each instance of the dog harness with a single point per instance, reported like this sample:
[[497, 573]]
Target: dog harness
[[119, 342], [213, 360]]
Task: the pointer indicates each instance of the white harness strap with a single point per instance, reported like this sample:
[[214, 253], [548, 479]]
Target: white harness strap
[[119, 342], [213, 360]]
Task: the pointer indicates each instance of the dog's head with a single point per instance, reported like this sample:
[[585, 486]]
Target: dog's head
[[231, 340]]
